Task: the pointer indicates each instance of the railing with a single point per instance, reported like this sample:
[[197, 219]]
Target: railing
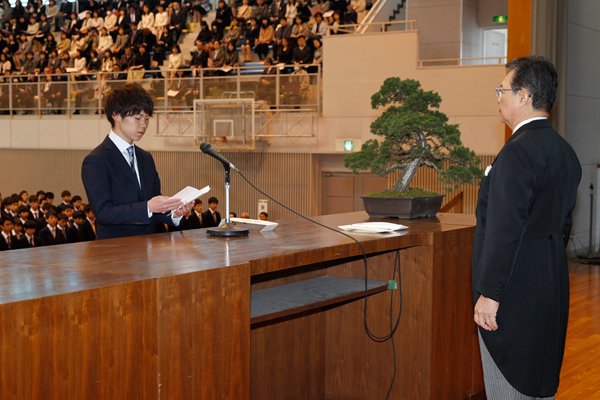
[[82, 93], [383, 27], [442, 62]]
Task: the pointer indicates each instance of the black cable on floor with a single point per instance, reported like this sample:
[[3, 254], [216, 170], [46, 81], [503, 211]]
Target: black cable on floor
[[374, 337]]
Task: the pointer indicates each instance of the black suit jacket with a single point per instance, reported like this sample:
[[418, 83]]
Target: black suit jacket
[[85, 232], [135, 38], [47, 239], [278, 12], [24, 243], [194, 222], [208, 221], [118, 202], [523, 225], [13, 243], [303, 56], [200, 58], [178, 19]]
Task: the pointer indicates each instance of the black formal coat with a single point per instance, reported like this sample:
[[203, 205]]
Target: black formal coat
[[118, 202], [85, 232], [200, 58], [47, 239], [303, 56], [208, 221], [193, 221], [13, 243], [23, 242], [519, 259]]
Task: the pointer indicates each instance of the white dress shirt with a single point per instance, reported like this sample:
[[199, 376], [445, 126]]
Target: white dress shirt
[[122, 145], [526, 122]]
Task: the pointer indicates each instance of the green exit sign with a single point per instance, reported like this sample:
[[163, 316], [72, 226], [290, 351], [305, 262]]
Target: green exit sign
[[348, 145], [501, 18]]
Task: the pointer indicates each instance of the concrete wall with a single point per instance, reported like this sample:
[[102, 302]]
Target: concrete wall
[[439, 22], [348, 83], [583, 103]]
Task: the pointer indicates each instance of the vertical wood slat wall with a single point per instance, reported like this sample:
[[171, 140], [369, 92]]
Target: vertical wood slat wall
[[428, 179], [284, 176]]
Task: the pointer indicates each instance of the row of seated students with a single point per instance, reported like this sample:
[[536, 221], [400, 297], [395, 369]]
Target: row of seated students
[[33, 220]]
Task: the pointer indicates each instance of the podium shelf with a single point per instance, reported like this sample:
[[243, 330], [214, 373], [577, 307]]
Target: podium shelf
[[297, 297]]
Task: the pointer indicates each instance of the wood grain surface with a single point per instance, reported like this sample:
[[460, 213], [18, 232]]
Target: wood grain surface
[[168, 316]]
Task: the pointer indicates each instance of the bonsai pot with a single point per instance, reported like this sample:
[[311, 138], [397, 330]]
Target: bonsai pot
[[403, 207]]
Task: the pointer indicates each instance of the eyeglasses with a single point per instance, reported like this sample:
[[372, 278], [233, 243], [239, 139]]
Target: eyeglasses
[[500, 90]]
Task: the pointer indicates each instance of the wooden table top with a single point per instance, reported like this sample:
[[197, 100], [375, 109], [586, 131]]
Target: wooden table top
[[48, 271]]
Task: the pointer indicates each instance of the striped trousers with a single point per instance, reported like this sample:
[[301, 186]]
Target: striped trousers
[[496, 385]]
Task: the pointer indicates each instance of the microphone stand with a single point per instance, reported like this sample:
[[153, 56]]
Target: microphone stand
[[227, 229]]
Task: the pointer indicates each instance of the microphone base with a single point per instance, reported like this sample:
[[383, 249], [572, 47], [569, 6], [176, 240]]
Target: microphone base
[[227, 230]]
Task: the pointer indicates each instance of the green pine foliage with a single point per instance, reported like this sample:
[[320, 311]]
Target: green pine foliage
[[414, 134]]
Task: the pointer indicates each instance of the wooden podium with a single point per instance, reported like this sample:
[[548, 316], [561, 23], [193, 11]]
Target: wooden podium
[[277, 315]]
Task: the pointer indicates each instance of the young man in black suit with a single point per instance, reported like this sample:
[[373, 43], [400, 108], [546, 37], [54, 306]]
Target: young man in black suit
[[524, 218], [64, 231], [195, 218], [120, 179], [8, 241], [85, 232], [211, 217], [34, 208], [28, 239], [49, 235]]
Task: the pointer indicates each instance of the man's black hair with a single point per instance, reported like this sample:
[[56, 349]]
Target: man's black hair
[[33, 199], [3, 220], [29, 224], [22, 192], [265, 214], [9, 200], [68, 207], [76, 198], [538, 75], [213, 200], [51, 213], [62, 216], [65, 193], [127, 100], [78, 214], [197, 201], [47, 206], [87, 208], [41, 192], [17, 221], [49, 195], [21, 209]]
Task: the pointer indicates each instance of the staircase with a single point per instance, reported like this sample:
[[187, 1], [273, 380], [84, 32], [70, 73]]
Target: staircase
[[384, 11]]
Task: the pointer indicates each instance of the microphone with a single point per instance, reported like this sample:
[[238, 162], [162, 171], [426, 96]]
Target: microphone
[[207, 149]]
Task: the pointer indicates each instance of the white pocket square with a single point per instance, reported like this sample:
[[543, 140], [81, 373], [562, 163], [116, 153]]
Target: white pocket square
[[488, 169]]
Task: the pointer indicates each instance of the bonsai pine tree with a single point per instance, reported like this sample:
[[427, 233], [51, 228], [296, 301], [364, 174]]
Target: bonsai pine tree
[[415, 134]]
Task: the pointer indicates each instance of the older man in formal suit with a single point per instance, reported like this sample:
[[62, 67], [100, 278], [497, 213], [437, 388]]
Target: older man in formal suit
[[520, 274], [120, 178]]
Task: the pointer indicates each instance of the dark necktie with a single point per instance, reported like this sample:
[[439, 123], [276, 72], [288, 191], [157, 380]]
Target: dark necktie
[[8, 242], [31, 241], [131, 160]]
